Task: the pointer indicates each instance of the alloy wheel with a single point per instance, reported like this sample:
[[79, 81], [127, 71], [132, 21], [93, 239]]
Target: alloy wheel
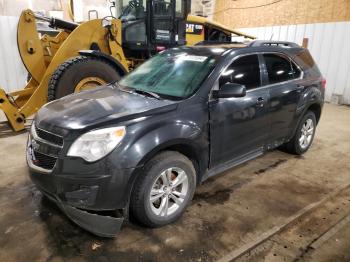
[[169, 191], [307, 132]]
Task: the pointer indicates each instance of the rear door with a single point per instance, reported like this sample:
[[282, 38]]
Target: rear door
[[285, 86], [239, 126]]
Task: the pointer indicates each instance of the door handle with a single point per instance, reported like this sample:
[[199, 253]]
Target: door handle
[[260, 102]]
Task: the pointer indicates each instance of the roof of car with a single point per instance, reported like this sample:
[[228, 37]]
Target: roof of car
[[213, 50], [224, 45], [217, 49]]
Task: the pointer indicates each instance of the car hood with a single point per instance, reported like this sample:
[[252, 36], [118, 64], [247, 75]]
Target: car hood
[[94, 108]]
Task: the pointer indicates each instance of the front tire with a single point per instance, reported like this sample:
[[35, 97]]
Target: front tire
[[80, 73], [164, 189], [304, 135]]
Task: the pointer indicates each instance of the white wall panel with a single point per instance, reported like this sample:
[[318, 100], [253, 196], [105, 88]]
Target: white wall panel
[[12, 71], [329, 46]]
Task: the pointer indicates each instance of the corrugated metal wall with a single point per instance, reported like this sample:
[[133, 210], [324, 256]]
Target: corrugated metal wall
[[12, 71], [328, 44]]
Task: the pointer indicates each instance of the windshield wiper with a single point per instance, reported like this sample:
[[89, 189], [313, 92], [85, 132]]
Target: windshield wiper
[[147, 93], [123, 88], [137, 91]]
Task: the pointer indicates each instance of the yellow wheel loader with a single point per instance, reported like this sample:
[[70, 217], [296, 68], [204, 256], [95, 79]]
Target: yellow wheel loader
[[100, 51]]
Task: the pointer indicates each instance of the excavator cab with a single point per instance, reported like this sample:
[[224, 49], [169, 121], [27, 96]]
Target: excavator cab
[[152, 25]]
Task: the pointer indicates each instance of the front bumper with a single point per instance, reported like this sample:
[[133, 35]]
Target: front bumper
[[104, 226], [88, 202], [85, 192], [84, 200]]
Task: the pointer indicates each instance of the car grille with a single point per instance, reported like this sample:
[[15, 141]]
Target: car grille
[[54, 139], [43, 149], [44, 161]]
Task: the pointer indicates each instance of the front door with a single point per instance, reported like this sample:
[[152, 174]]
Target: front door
[[239, 127]]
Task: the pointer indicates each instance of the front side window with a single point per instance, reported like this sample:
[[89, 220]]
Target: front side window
[[280, 69], [133, 10], [173, 74], [245, 71]]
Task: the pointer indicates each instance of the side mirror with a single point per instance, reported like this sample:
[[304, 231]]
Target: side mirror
[[231, 90]]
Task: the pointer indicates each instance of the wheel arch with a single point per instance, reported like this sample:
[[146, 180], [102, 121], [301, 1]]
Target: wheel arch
[[185, 148], [108, 58], [316, 109]]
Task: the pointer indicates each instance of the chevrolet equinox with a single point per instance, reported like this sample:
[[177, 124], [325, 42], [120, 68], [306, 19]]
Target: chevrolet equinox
[[140, 147]]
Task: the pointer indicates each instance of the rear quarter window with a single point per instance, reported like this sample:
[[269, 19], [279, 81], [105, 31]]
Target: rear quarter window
[[306, 62]]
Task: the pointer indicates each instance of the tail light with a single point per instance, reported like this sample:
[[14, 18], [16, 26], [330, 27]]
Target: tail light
[[324, 81]]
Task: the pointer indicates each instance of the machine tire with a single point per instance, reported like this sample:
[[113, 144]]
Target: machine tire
[[141, 208], [69, 74]]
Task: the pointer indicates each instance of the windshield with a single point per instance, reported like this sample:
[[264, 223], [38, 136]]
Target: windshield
[[172, 74], [133, 10]]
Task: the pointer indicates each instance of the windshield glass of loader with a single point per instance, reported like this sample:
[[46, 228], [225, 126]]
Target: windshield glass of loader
[[176, 74]]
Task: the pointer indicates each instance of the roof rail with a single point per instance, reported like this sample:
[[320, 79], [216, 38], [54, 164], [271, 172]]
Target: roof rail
[[206, 42], [257, 43]]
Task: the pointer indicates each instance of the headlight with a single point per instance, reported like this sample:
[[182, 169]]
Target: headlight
[[96, 144]]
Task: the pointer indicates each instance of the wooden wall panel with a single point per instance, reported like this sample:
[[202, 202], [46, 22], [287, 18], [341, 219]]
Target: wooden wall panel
[[238, 13]]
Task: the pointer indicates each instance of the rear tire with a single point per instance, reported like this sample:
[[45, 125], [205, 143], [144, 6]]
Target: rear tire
[[158, 197], [72, 75], [304, 135]]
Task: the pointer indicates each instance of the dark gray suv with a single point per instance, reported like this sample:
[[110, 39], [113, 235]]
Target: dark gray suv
[[141, 146]]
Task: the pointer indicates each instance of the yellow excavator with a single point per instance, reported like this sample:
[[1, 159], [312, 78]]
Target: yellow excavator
[[83, 56]]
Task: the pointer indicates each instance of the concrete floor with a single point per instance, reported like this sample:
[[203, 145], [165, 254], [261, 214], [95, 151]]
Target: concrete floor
[[276, 208]]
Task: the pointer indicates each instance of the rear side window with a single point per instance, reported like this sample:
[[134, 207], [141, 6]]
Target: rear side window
[[296, 71], [245, 71], [305, 59], [280, 69]]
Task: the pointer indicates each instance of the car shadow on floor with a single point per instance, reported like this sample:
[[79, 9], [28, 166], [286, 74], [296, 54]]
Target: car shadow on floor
[[65, 238]]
